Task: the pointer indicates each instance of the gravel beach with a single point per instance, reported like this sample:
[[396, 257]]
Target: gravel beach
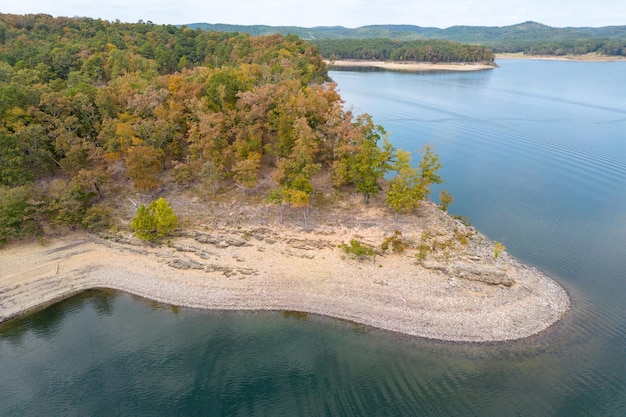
[[462, 293]]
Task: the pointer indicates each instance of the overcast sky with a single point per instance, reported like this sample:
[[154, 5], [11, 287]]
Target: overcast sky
[[348, 13]]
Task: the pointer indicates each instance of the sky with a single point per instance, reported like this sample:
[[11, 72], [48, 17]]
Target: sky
[[348, 13]]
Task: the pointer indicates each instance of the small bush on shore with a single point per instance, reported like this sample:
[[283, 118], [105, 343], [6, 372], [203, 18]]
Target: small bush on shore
[[498, 248], [395, 242], [422, 251], [154, 221], [446, 199], [463, 219], [358, 249]]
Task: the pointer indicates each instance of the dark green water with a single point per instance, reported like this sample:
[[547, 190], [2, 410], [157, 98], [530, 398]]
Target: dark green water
[[535, 155], [110, 354]]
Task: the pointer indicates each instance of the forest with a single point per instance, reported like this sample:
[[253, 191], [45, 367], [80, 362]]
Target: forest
[[383, 49], [91, 109]]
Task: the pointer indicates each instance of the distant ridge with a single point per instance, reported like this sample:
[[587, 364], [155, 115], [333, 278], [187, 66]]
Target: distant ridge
[[527, 37]]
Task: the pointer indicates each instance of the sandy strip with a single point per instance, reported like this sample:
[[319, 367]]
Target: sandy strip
[[586, 57], [280, 269], [409, 66]]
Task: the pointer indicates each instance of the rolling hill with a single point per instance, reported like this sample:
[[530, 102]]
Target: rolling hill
[[527, 37]]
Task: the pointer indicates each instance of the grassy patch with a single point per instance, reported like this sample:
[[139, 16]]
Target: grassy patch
[[357, 249]]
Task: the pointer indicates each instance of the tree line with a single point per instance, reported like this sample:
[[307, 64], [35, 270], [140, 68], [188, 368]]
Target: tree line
[[88, 107], [384, 49]]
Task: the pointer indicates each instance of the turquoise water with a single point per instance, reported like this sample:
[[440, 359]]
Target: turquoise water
[[534, 153]]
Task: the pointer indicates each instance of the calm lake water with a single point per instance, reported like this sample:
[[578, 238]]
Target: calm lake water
[[534, 153]]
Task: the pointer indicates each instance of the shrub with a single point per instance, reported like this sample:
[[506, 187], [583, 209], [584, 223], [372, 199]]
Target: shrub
[[68, 203], [422, 251], [154, 221], [464, 220], [463, 238], [446, 199], [182, 174], [498, 248], [395, 241], [357, 249], [97, 218], [20, 212]]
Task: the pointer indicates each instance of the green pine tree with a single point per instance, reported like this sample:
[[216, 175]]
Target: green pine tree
[[154, 221]]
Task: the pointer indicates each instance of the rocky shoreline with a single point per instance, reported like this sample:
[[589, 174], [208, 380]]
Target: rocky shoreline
[[445, 285]]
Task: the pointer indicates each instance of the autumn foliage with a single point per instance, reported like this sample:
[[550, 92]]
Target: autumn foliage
[[89, 107]]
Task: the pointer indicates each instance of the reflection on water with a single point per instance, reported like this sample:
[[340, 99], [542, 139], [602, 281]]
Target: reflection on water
[[533, 153]]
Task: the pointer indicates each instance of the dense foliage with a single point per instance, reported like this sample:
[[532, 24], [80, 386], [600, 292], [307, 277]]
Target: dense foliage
[[89, 108], [527, 37], [394, 50], [155, 220], [103, 50]]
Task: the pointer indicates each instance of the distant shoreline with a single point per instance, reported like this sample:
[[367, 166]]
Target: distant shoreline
[[408, 66], [586, 57]]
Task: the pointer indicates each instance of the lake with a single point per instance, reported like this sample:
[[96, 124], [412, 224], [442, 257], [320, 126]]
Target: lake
[[534, 153]]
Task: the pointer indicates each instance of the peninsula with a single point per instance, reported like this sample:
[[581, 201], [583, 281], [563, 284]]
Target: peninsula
[[241, 257], [267, 192]]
